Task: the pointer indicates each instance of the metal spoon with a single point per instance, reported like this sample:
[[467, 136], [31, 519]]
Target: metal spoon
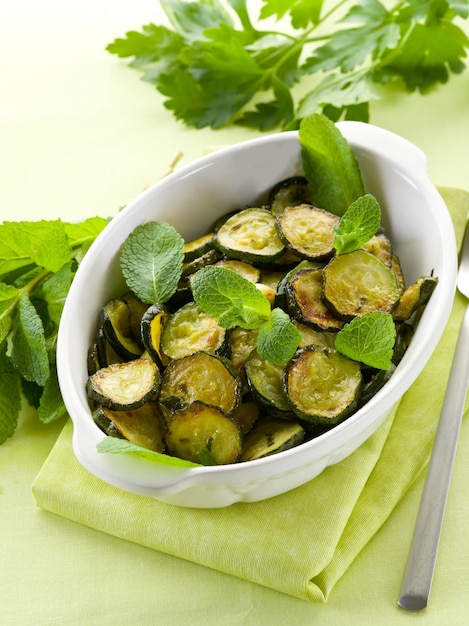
[[418, 577]]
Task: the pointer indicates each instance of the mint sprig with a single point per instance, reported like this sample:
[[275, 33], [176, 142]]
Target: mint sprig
[[37, 264], [369, 339], [330, 165], [114, 445], [151, 261], [358, 224], [235, 301]]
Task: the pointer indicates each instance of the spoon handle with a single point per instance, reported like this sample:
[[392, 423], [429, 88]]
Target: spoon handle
[[418, 577]]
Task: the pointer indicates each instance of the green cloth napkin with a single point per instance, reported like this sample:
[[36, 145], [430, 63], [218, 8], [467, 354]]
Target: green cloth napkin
[[301, 542]]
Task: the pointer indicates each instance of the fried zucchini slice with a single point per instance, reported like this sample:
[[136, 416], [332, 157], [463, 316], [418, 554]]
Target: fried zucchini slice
[[124, 386], [203, 434], [241, 343], [198, 247], [246, 415], [271, 436], [308, 231], [358, 282], [289, 192], [414, 297], [114, 319], [380, 246], [322, 386], [151, 328], [244, 269], [305, 303], [143, 426], [312, 337], [201, 376], [190, 330], [265, 383], [250, 235]]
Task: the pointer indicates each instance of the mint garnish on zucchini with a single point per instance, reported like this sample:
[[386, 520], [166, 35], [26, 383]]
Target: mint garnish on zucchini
[[151, 261], [330, 165], [358, 224], [235, 301], [369, 339]]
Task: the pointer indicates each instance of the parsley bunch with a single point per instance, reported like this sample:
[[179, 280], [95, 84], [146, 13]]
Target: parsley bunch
[[216, 66], [37, 264]]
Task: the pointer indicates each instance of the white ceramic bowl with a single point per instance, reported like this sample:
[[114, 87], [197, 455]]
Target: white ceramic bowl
[[415, 218]]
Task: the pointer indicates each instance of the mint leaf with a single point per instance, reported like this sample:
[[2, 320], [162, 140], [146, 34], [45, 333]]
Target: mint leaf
[[54, 291], [84, 233], [43, 243], [151, 261], [9, 296], [358, 224], [369, 339], [278, 338], [233, 299], [51, 406], [29, 352], [330, 166], [114, 445], [10, 395]]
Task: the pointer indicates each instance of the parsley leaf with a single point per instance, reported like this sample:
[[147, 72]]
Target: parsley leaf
[[217, 65]]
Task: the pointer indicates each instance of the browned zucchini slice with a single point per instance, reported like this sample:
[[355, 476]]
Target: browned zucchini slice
[[308, 231], [289, 192], [124, 386], [270, 436], [203, 434], [322, 386], [404, 335], [198, 247], [191, 267], [115, 322], [152, 325], [247, 270], [380, 246], [92, 360], [137, 310], [415, 296], [265, 382], [304, 301], [358, 282], [312, 337], [246, 415], [250, 235], [241, 343], [143, 426], [106, 353], [190, 330], [203, 377]]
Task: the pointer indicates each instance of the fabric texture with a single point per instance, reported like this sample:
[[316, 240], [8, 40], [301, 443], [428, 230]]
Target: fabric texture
[[301, 542]]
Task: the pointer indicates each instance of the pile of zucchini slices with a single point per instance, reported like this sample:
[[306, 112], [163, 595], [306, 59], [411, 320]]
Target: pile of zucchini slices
[[172, 380]]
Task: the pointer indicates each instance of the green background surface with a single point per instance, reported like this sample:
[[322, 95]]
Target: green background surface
[[80, 135]]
